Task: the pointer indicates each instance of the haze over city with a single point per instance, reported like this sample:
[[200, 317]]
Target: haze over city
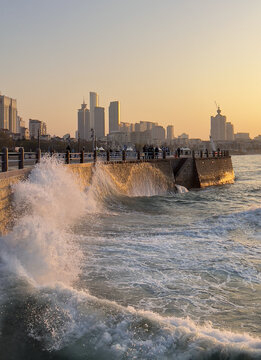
[[165, 62]]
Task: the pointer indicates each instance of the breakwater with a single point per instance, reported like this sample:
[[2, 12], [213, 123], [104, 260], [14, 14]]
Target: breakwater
[[160, 174]]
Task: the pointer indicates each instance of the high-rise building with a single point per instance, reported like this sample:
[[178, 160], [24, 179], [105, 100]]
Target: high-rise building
[[19, 123], [37, 127], [84, 128], [8, 113], [147, 125], [94, 102], [114, 116], [137, 127], [99, 122], [218, 126], [158, 133], [229, 131], [170, 133]]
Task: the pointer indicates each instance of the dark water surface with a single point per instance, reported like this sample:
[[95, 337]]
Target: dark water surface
[[110, 272]]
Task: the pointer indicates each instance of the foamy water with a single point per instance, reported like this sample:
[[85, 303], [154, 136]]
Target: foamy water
[[127, 270]]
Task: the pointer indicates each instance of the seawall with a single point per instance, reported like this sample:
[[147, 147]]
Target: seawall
[[7, 180], [188, 172]]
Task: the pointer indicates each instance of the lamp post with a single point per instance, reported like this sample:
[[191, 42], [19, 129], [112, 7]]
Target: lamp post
[[93, 139]]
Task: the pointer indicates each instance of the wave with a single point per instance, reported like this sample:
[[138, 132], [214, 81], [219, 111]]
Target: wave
[[69, 323], [44, 312]]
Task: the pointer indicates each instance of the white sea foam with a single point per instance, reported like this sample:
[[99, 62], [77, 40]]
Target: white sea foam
[[126, 331], [40, 244], [181, 189]]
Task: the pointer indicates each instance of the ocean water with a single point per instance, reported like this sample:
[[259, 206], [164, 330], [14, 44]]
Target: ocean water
[[132, 272]]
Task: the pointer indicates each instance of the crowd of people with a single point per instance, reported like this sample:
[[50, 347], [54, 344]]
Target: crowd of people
[[151, 152]]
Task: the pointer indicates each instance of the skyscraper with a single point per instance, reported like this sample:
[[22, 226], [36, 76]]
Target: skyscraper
[[99, 122], [229, 131], [36, 126], [114, 116], [218, 126], [94, 102], [8, 113], [84, 128], [170, 133]]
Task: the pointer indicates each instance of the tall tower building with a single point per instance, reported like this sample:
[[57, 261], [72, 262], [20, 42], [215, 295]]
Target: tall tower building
[[218, 126], [84, 128], [8, 113], [114, 116], [99, 122], [229, 131], [37, 126], [94, 102], [170, 133]]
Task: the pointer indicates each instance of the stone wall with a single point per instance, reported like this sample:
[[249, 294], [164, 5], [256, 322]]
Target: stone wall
[[6, 181], [214, 171], [191, 173]]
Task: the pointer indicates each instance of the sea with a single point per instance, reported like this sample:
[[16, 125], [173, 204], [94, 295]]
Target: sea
[[130, 270]]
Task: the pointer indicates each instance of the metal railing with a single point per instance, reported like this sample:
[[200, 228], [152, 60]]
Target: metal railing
[[22, 159]]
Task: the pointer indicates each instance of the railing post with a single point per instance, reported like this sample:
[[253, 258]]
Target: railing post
[[67, 157], [5, 159], [108, 155], [38, 156], [94, 155], [82, 157], [138, 155], [21, 158], [201, 153], [123, 155], [193, 154]]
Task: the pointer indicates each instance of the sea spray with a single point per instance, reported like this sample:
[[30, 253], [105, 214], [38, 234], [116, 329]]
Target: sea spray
[[48, 203], [131, 180]]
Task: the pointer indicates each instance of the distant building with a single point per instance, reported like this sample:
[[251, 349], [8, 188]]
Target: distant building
[[218, 126], [99, 122], [137, 127], [183, 136], [19, 124], [114, 116], [257, 138], [94, 102], [158, 133], [126, 127], [135, 137], [8, 113], [229, 131], [84, 128], [170, 133], [117, 138], [37, 127], [146, 125], [24, 133], [242, 136]]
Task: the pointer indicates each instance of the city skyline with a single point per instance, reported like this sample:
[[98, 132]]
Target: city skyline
[[169, 68]]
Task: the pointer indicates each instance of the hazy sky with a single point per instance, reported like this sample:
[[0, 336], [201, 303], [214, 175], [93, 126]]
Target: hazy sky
[[166, 61]]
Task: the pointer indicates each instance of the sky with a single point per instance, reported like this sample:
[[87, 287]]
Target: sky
[[165, 61]]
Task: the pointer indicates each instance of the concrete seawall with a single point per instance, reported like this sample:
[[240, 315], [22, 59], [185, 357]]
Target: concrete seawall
[[7, 180], [188, 172]]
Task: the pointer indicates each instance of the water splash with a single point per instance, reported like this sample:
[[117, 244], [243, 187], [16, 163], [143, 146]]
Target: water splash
[[41, 245], [131, 180]]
